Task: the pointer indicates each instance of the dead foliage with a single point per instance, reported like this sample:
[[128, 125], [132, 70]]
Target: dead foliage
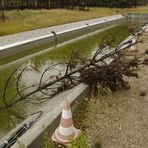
[[110, 75]]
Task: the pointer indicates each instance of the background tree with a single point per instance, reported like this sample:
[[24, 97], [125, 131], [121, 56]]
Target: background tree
[[2, 10], [68, 4]]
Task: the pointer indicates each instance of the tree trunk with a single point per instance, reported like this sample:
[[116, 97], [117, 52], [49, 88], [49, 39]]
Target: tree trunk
[[2, 10]]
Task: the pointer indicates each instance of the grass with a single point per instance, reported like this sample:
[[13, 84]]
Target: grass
[[19, 21], [81, 141]]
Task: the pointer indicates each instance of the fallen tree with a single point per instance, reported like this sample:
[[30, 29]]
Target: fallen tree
[[106, 67]]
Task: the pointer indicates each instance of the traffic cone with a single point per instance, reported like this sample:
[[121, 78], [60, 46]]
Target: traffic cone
[[66, 130]]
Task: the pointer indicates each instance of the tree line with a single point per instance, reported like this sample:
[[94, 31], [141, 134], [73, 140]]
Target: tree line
[[69, 4], [118, 3], [38, 4]]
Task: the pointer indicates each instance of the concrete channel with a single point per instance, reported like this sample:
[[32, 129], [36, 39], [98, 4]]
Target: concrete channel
[[50, 120], [56, 34]]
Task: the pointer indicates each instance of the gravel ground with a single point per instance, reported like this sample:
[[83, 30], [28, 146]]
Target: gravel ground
[[120, 119], [9, 39]]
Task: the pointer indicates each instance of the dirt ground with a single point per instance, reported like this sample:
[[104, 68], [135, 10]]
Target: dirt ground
[[120, 119]]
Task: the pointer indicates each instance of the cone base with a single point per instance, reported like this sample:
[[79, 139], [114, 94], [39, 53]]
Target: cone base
[[55, 137]]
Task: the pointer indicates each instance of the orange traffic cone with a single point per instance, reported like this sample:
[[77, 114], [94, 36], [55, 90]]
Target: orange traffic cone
[[66, 131]]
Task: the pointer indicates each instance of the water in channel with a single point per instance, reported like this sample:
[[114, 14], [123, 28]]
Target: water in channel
[[37, 62]]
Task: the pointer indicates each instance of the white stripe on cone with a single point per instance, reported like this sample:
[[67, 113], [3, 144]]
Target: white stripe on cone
[[66, 131], [66, 114]]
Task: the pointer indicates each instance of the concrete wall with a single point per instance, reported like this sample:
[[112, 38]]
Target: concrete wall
[[137, 16], [63, 35]]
